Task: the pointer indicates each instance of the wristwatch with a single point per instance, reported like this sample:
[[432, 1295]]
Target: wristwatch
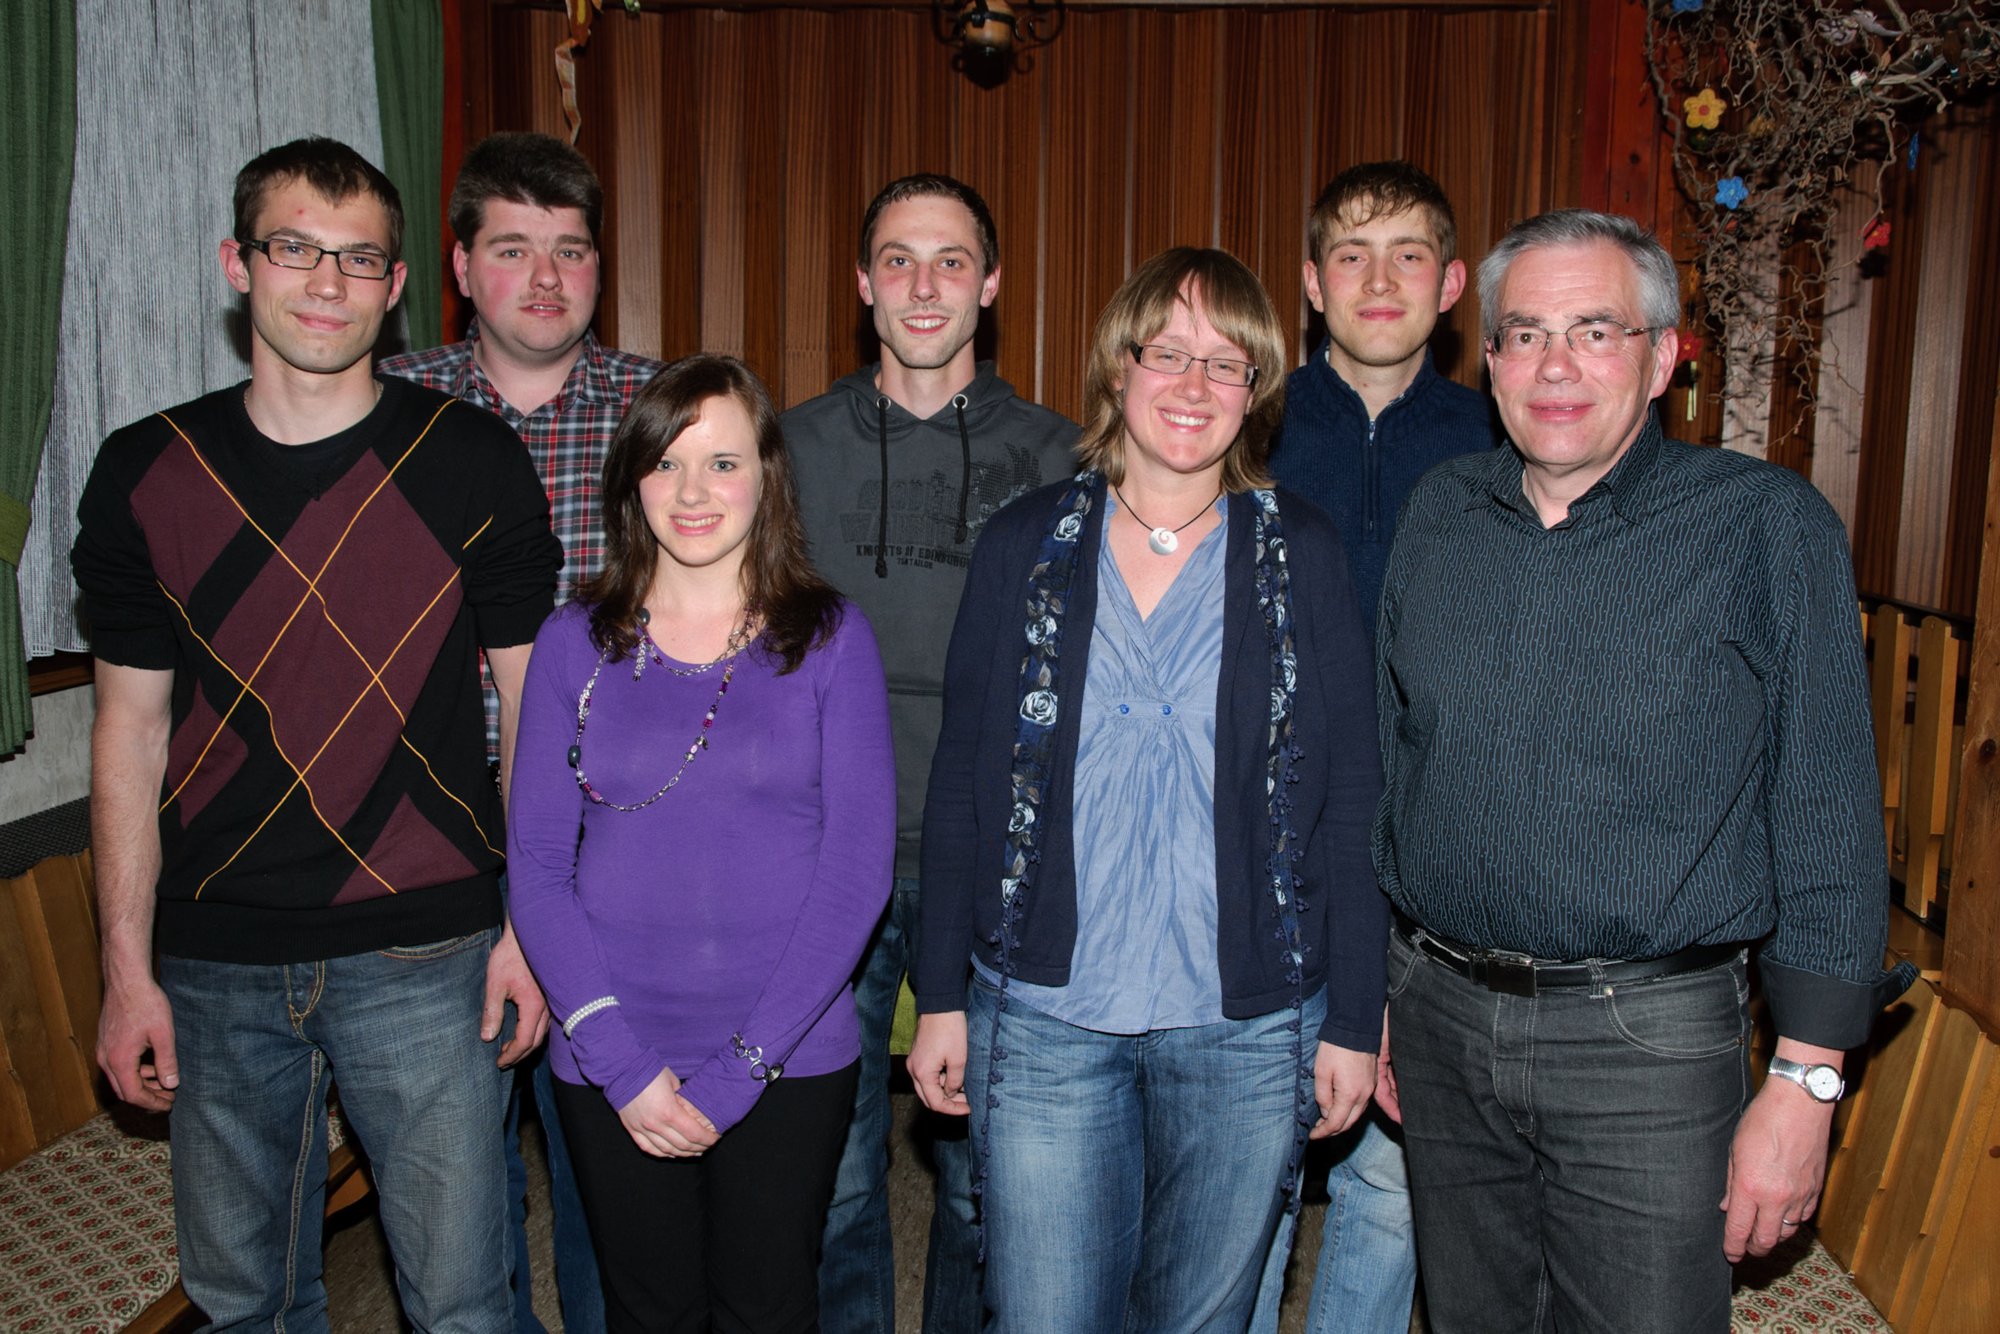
[[1822, 1083]]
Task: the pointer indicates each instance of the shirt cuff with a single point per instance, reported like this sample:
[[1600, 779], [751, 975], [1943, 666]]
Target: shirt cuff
[[1828, 1011]]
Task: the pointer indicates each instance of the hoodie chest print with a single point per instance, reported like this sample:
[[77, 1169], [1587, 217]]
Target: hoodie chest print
[[923, 515]]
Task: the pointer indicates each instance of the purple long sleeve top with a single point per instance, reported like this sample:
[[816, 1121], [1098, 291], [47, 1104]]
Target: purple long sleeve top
[[740, 901]]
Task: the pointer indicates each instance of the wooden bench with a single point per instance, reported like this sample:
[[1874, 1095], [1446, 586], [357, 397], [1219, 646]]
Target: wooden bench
[[86, 1183]]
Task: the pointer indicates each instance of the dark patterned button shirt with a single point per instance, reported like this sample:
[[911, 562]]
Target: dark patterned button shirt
[[567, 437], [1639, 730]]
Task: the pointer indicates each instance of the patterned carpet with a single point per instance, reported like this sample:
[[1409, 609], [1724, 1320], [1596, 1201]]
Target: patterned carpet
[[1801, 1289]]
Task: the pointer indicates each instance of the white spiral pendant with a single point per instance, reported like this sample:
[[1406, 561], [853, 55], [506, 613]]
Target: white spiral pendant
[[1163, 542]]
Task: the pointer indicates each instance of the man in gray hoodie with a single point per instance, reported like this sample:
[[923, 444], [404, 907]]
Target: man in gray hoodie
[[899, 466]]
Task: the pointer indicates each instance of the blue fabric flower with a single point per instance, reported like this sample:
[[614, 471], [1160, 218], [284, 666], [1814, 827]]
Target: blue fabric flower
[[1730, 192], [1687, 6]]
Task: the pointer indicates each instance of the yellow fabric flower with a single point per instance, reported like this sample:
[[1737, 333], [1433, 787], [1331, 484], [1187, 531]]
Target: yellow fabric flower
[[1704, 109]]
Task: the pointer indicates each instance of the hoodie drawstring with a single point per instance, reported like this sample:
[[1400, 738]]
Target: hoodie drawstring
[[965, 456], [882, 524], [959, 403]]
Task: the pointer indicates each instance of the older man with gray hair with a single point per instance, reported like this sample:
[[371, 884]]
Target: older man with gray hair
[[1626, 744]]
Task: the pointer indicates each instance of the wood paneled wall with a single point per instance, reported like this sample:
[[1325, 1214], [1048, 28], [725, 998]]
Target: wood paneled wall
[[739, 150]]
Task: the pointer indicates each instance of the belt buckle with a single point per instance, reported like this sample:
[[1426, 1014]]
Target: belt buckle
[[1507, 973]]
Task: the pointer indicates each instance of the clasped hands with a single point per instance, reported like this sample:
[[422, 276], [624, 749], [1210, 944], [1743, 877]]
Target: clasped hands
[[664, 1124]]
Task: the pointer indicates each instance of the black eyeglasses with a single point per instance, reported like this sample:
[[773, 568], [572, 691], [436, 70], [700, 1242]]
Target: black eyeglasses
[[1171, 361], [1586, 338], [289, 254]]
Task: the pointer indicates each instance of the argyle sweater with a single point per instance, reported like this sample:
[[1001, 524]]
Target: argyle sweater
[[321, 606]]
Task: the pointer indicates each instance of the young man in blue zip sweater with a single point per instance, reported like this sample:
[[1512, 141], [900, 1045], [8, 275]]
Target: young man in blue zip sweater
[[1364, 419]]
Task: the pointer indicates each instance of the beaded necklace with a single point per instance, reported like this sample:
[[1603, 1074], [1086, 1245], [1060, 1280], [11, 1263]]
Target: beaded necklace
[[647, 648]]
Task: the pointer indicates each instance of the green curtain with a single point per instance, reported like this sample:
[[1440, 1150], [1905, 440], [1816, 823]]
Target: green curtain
[[38, 107], [409, 85]]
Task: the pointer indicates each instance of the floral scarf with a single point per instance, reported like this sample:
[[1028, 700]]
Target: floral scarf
[[1051, 581]]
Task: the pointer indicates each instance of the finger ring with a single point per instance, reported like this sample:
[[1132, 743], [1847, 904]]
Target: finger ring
[[1789, 1222]]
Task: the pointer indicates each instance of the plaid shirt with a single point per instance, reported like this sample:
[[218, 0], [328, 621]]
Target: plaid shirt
[[567, 437]]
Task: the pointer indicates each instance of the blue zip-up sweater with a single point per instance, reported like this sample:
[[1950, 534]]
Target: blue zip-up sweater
[[1360, 471], [1338, 778]]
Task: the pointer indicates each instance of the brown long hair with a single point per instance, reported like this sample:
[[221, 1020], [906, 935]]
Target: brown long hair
[[1241, 311], [799, 609]]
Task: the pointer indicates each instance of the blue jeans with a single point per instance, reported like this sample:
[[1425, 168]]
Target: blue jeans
[[857, 1271], [577, 1286], [1132, 1182], [1568, 1150], [399, 1031], [1367, 1275]]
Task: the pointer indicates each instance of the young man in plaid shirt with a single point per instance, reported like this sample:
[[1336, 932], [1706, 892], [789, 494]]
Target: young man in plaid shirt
[[526, 211]]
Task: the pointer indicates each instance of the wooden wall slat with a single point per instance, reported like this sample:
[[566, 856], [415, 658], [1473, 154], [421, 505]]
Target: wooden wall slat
[[636, 148], [1847, 308], [724, 74], [1948, 186], [1978, 347], [1892, 333]]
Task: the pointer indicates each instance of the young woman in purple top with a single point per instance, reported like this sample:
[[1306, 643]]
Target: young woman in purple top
[[701, 826]]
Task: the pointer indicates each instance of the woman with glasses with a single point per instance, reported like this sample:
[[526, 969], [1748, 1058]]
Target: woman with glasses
[[700, 835], [1146, 838]]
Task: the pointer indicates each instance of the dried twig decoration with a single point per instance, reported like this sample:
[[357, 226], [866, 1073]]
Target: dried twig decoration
[[1772, 104]]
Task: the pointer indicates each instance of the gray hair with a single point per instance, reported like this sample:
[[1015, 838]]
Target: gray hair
[[1659, 285]]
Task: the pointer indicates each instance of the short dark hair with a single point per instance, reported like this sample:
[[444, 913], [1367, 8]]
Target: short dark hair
[[799, 609], [1237, 307], [330, 167], [1371, 189], [932, 185], [523, 168]]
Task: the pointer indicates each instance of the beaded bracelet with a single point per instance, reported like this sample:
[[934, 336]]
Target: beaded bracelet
[[759, 1071], [584, 1011]]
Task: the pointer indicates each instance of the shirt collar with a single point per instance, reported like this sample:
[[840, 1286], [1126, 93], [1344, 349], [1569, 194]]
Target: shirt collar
[[589, 379], [1629, 488]]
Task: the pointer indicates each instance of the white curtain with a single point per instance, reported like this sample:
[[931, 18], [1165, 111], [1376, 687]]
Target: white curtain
[[173, 96]]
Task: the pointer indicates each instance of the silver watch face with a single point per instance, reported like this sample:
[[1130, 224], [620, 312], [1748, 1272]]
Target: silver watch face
[[1823, 1082]]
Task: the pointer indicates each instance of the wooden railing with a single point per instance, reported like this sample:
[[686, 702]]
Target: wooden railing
[[1912, 1200], [1917, 692]]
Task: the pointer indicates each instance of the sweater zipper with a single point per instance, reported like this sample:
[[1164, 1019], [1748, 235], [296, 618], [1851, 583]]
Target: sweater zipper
[[1371, 474]]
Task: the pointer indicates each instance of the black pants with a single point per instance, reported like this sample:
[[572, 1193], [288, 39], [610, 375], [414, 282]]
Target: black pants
[[728, 1241]]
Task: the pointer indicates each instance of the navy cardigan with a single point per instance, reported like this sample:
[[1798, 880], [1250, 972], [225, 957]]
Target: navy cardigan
[[1334, 795]]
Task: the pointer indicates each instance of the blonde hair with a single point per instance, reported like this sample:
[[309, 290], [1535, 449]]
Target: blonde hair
[[1239, 308]]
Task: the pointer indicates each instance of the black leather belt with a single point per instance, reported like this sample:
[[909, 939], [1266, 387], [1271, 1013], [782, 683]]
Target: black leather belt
[[1521, 975]]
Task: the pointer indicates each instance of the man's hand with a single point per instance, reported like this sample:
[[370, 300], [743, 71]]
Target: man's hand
[[1386, 1095], [137, 1019], [1777, 1162], [937, 1062], [508, 978], [1342, 1081], [664, 1124]]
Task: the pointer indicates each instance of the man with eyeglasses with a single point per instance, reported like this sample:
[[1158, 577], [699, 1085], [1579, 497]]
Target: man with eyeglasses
[[288, 584], [899, 466], [1626, 742], [527, 210], [1365, 417]]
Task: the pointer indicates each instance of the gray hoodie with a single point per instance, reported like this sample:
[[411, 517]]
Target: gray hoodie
[[944, 478]]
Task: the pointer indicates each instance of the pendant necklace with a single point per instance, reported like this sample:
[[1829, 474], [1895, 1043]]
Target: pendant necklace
[[1163, 541], [645, 649]]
